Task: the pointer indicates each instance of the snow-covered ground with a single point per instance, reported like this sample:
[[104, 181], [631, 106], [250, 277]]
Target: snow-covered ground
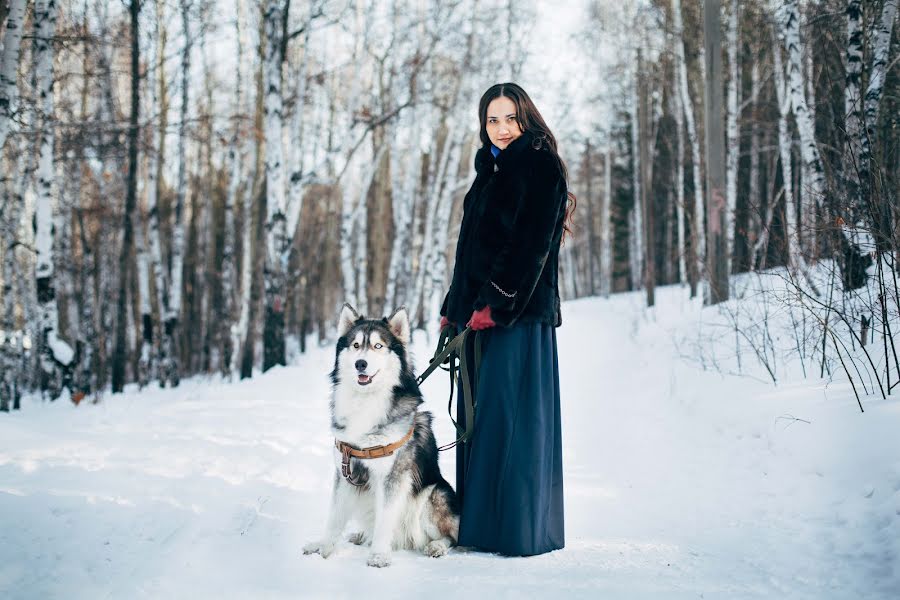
[[679, 483]]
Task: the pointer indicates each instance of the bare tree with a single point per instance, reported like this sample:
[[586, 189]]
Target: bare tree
[[121, 351], [716, 204]]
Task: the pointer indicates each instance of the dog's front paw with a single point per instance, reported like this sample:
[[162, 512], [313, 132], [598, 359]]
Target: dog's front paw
[[379, 559], [359, 538], [322, 548], [437, 548]]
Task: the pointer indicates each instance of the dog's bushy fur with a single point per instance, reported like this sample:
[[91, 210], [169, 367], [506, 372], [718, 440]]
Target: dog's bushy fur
[[402, 500]]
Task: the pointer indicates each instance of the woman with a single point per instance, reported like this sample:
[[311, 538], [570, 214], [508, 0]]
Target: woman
[[509, 475]]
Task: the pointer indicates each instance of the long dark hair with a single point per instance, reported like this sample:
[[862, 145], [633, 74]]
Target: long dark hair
[[530, 120]]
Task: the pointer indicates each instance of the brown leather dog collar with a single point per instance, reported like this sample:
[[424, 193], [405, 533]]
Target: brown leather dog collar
[[347, 451]]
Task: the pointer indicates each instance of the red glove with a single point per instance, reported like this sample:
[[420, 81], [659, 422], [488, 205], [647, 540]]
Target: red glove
[[481, 319]]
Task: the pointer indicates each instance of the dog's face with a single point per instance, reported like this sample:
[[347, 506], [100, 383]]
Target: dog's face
[[371, 353]]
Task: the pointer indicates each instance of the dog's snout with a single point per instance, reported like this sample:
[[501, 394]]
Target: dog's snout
[[361, 365]]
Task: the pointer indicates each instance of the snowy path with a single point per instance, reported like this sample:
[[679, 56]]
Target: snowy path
[[679, 484]]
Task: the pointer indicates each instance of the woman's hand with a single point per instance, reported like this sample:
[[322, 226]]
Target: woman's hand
[[445, 322], [481, 319]]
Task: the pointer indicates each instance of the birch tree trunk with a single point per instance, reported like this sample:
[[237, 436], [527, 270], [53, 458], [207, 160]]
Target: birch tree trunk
[[449, 180], [699, 231], [734, 144], [645, 216], [297, 138], [853, 102], [716, 204], [404, 158], [635, 232], [419, 299], [606, 227], [170, 362], [9, 65], [87, 371], [11, 341], [276, 225], [796, 261], [348, 269], [237, 152], [154, 159], [754, 227], [790, 29], [854, 236], [678, 114], [880, 54], [121, 351], [882, 206], [146, 363], [445, 185], [807, 204], [208, 354], [54, 352], [405, 171]]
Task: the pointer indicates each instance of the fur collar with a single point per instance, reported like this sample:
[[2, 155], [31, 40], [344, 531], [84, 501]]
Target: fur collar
[[513, 154]]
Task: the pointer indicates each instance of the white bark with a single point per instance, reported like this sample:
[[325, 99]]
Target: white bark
[[699, 228], [156, 260], [789, 19], [852, 100], [9, 63], [880, 54], [354, 216], [236, 156], [174, 309], [807, 202], [733, 133], [405, 170], [277, 235], [796, 260], [11, 340], [348, 212], [297, 139], [145, 363], [449, 178], [240, 330], [54, 351], [405, 164], [168, 283], [679, 175], [361, 219], [635, 231]]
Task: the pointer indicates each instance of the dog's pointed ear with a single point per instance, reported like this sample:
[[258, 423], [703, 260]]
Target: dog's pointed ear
[[398, 323], [348, 317]]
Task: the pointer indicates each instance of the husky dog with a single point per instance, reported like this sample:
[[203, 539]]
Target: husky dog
[[400, 499]]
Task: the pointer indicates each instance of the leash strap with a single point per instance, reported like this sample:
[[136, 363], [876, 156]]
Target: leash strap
[[444, 349], [454, 351]]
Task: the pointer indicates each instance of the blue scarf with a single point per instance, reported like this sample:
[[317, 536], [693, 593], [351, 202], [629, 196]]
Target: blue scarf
[[495, 150]]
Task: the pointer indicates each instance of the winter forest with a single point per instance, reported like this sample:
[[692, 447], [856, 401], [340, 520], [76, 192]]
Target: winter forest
[[191, 189], [195, 187]]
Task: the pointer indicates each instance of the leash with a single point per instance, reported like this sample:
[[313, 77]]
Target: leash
[[453, 350]]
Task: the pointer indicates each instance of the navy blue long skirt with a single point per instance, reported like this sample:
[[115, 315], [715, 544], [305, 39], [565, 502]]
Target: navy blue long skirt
[[509, 475]]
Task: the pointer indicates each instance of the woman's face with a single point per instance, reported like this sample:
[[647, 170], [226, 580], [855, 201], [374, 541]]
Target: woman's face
[[502, 122]]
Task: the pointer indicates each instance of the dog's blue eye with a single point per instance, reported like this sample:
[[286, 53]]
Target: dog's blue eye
[[378, 346]]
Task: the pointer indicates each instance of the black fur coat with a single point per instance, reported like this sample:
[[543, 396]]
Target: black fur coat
[[507, 255]]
